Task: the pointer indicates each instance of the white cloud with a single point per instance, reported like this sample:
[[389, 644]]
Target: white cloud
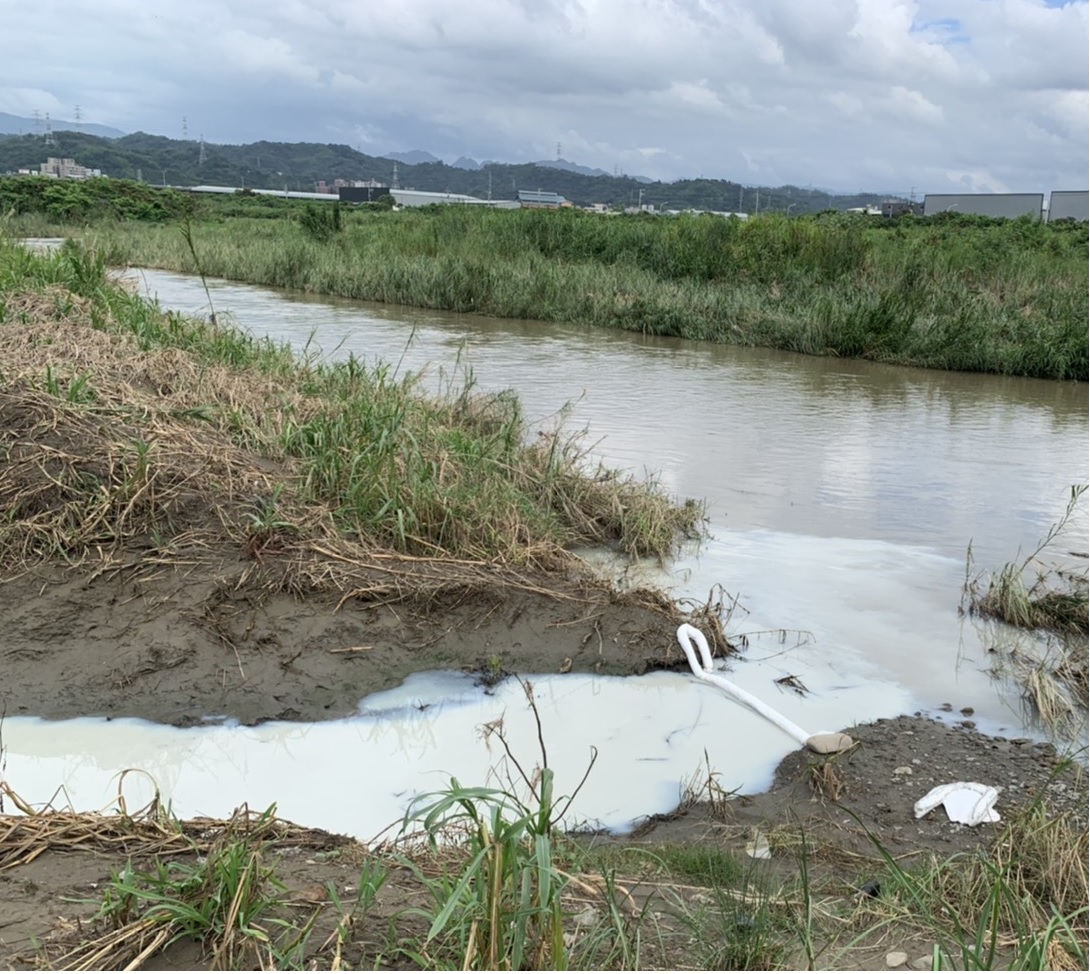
[[976, 181], [905, 104], [882, 94]]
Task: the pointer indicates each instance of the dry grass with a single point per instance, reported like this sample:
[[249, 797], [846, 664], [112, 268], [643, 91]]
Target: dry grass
[[145, 832], [228, 897], [141, 459]]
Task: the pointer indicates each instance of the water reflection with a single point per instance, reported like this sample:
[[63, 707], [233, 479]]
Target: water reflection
[[801, 461]]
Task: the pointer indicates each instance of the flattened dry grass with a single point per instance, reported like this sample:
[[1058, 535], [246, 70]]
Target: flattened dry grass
[[209, 882], [27, 832]]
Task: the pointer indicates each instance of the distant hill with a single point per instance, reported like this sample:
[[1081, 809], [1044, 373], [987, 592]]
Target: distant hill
[[412, 158], [571, 167], [18, 125], [158, 160]]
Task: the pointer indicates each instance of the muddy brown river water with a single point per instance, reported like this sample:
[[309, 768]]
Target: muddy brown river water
[[842, 498]]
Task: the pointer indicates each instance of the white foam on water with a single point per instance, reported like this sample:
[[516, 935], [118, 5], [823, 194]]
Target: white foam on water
[[357, 776]]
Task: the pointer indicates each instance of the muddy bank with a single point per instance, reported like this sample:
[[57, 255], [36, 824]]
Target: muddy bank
[[178, 645], [47, 898], [164, 554], [866, 795]]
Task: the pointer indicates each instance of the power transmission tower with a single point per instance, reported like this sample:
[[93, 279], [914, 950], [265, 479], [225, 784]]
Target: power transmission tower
[[79, 118], [185, 129], [557, 151], [393, 182], [48, 130], [200, 161]]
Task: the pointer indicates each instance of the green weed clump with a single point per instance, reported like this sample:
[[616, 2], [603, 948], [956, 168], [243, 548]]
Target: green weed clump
[[1046, 593], [1022, 905], [1033, 594]]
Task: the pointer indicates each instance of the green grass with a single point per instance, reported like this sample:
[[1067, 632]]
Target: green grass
[[230, 901], [454, 474], [964, 293], [1044, 592], [1033, 593], [1020, 904]]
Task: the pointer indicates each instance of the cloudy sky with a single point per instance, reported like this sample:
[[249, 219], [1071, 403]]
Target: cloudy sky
[[883, 95]]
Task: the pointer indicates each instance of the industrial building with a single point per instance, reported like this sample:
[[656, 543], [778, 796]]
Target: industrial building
[[539, 199], [416, 197], [64, 169], [368, 193], [1008, 205], [1069, 204]]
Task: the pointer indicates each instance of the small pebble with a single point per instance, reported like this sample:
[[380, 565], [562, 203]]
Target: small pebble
[[896, 958]]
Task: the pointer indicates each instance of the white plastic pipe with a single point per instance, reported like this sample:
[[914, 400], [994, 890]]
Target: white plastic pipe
[[824, 742]]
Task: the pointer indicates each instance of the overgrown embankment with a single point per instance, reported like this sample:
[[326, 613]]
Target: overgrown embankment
[[1044, 593], [174, 491], [950, 292]]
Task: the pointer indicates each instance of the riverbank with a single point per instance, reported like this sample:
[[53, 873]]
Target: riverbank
[[142, 482], [196, 522], [828, 869], [956, 293]]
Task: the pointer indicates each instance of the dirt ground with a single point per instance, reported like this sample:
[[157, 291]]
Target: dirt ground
[[49, 891], [171, 603], [186, 643]]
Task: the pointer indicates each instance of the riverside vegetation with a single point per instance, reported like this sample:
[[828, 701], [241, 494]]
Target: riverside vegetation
[[136, 442], [1045, 593], [951, 291]]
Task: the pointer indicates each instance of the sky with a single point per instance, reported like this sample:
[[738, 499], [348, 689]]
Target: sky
[[893, 96]]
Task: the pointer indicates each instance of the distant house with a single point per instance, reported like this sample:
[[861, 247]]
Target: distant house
[[539, 199], [66, 169]]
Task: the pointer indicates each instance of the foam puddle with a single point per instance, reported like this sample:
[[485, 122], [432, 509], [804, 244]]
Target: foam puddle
[[356, 776]]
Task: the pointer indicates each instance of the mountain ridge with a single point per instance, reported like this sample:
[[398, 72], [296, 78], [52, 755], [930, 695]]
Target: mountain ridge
[[301, 165], [21, 125]]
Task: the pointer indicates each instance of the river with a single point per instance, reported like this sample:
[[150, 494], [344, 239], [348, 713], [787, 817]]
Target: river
[[842, 498]]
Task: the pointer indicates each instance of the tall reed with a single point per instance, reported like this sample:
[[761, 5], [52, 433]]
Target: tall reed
[[983, 296]]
